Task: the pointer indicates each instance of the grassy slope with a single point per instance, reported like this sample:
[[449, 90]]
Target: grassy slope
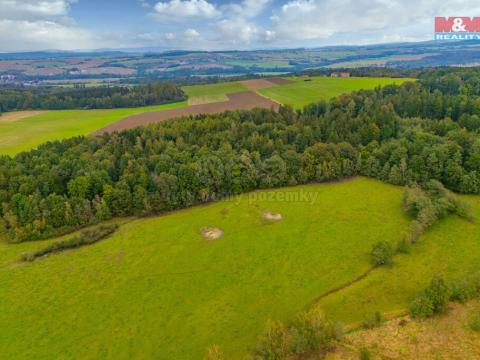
[[158, 290], [302, 92], [202, 94], [25, 134], [451, 248]]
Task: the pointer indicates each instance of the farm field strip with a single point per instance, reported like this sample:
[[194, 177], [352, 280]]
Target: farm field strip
[[303, 91], [28, 133], [238, 101]]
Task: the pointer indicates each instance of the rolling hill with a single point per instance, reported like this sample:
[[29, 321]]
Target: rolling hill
[[158, 289]]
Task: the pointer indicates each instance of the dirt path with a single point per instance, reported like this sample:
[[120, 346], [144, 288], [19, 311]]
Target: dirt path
[[240, 101]]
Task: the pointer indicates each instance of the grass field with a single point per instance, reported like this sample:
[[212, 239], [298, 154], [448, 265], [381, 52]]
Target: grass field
[[451, 248], [27, 133], [301, 92], [158, 290], [209, 93]]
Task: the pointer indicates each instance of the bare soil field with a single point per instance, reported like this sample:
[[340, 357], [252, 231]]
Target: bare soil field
[[18, 115], [280, 81], [240, 101], [256, 84]]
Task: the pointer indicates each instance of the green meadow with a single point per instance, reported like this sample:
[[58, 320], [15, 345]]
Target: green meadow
[[209, 93], [28, 133], [304, 91], [158, 290], [451, 248]]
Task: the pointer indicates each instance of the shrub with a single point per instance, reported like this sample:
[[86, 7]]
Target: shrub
[[403, 246], [421, 307], [429, 203], [439, 294], [311, 332], [463, 289], [433, 300], [382, 253], [372, 321], [273, 343]]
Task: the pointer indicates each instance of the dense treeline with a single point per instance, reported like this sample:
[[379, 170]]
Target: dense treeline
[[398, 134], [89, 98]]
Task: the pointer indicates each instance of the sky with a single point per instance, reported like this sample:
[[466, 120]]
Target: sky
[[31, 25]]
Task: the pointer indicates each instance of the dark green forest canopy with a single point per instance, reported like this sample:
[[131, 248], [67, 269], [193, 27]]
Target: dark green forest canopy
[[399, 134], [89, 98]]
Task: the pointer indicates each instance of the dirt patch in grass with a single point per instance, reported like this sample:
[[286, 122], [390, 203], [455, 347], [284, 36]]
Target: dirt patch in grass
[[211, 233], [256, 84], [280, 81], [239, 101], [441, 337], [271, 217], [19, 115]]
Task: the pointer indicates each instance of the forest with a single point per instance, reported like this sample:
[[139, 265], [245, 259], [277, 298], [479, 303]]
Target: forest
[[413, 133], [12, 99]]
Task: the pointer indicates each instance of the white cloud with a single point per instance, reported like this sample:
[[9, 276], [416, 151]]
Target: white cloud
[[180, 10], [235, 32], [22, 35], [33, 9], [27, 25], [191, 34], [247, 8], [354, 21]]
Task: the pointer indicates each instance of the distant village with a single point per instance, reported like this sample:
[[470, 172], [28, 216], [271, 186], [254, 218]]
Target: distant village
[[12, 80]]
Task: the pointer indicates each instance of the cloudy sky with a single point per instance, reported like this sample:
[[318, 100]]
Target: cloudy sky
[[27, 25]]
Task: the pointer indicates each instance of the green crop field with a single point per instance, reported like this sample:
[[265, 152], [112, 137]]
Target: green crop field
[[208, 93], [302, 92], [28, 133], [157, 289]]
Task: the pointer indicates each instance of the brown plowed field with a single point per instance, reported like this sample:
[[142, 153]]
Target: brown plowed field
[[256, 84], [280, 81], [240, 101]]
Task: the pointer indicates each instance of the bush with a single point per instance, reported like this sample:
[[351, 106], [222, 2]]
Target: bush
[[382, 253], [273, 343], [311, 332], [421, 307], [464, 289], [429, 203], [372, 321], [403, 246], [432, 300]]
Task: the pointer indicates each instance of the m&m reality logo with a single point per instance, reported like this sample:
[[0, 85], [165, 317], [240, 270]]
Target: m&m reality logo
[[457, 28]]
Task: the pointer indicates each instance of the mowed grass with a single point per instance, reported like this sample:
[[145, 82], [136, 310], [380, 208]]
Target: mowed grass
[[27, 133], [209, 93], [450, 249], [302, 92], [158, 290]]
